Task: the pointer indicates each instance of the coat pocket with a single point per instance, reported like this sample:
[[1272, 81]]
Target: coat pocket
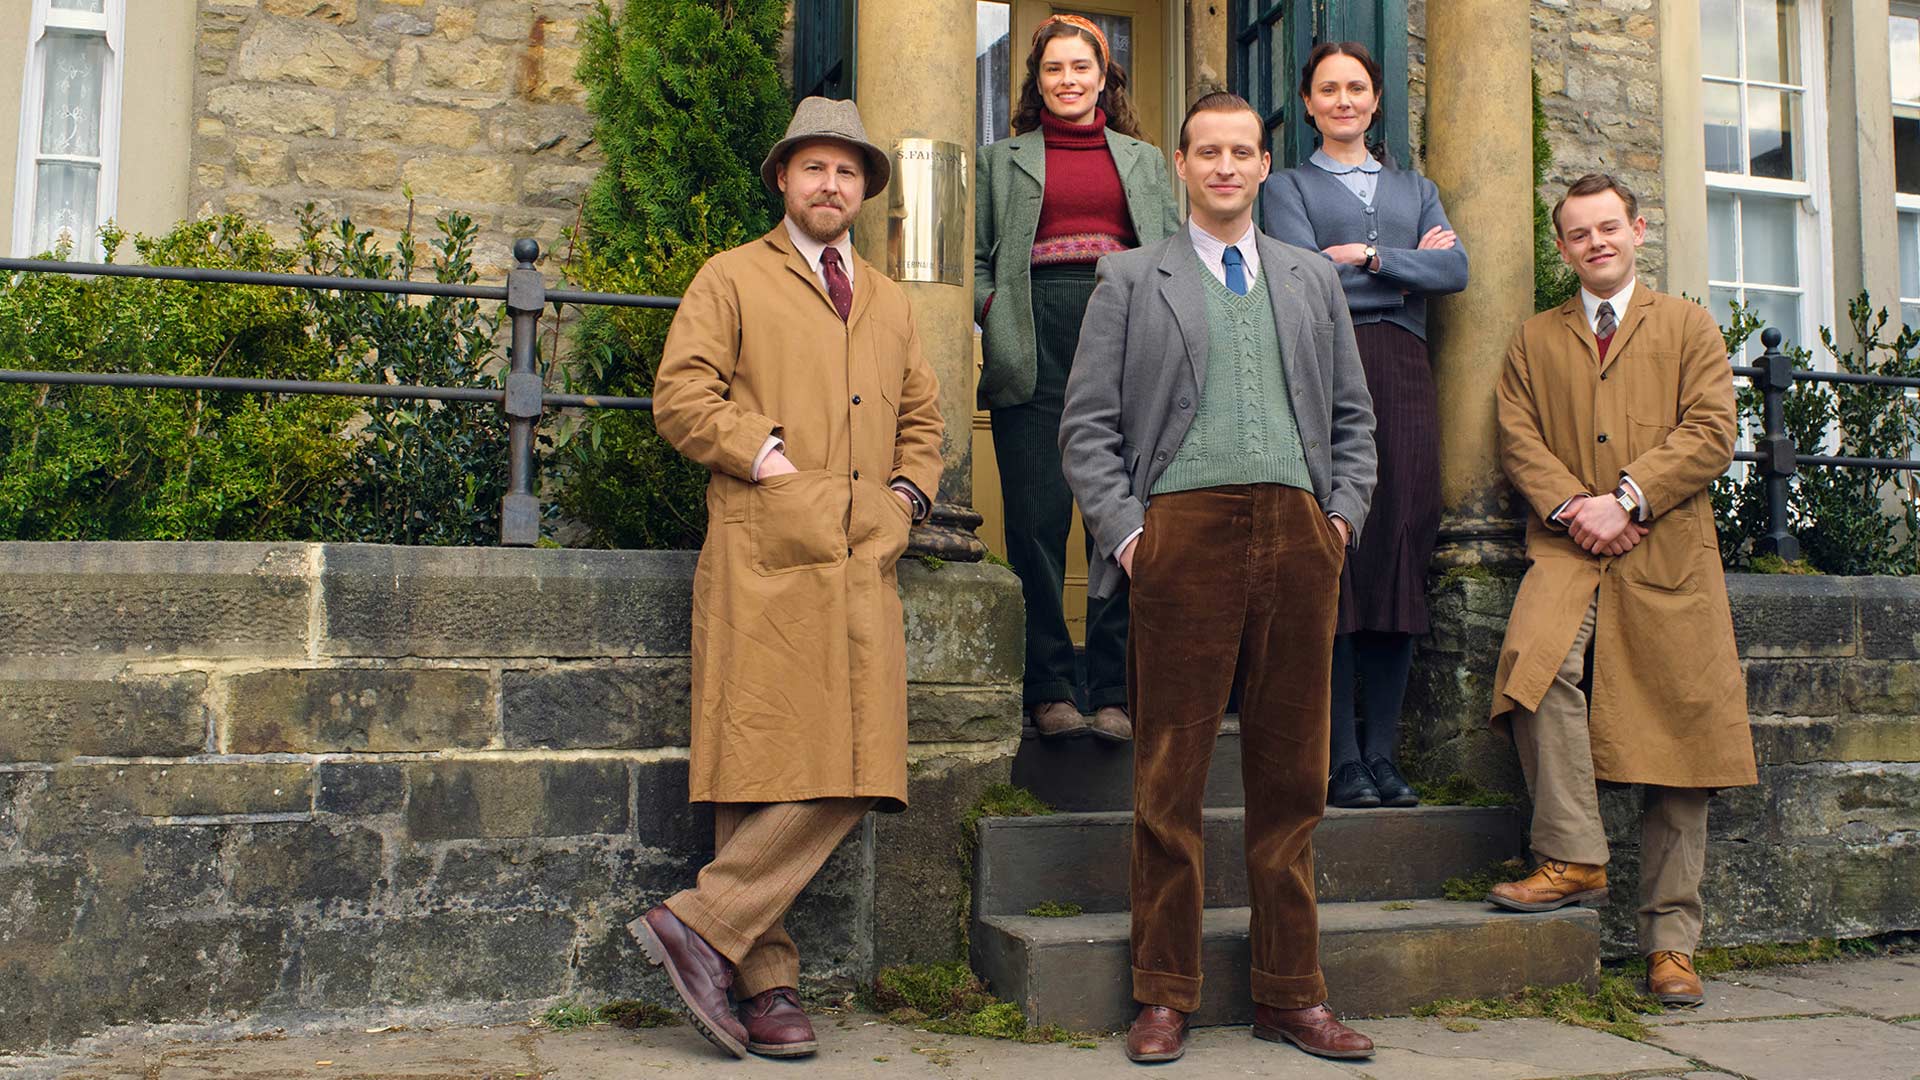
[[798, 521], [1669, 558]]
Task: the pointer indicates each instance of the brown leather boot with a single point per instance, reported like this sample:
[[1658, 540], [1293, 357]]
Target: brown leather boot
[[1554, 885], [1112, 723], [1315, 1030], [1672, 980], [1158, 1034], [1057, 720], [700, 975], [776, 1024]]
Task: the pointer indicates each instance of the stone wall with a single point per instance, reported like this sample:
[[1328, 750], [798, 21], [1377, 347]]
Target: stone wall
[[249, 779], [471, 105], [1828, 843]]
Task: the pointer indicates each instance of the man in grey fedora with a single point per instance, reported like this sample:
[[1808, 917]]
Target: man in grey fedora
[[793, 373]]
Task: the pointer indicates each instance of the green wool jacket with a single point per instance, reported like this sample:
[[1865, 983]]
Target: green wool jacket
[[1010, 180]]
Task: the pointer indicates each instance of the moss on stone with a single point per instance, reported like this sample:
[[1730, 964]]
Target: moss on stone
[[625, 1012], [1719, 961], [1474, 886], [1774, 564], [1615, 1008], [1460, 790], [951, 1000], [1055, 909]]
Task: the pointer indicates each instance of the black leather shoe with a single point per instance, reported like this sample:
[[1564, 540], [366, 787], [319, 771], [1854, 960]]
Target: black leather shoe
[[1352, 787], [1394, 789]]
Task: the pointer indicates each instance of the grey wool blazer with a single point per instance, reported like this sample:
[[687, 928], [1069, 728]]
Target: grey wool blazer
[[1009, 182], [1142, 363]]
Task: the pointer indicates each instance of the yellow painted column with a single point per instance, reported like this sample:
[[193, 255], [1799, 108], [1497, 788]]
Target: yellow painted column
[[914, 79], [1480, 153]]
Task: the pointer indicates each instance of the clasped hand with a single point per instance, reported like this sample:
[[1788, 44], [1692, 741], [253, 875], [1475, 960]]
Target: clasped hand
[[1602, 527]]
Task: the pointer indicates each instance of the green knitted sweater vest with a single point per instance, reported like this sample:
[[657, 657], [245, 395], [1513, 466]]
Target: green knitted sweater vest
[[1245, 431]]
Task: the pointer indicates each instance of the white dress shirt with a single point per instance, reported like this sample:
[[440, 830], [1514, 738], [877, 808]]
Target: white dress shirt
[[1212, 251]]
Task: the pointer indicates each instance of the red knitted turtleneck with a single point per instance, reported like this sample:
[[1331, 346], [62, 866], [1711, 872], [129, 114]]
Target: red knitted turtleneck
[[1084, 212]]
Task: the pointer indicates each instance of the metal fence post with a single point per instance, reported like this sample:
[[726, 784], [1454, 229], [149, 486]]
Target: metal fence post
[[1776, 379], [526, 298]]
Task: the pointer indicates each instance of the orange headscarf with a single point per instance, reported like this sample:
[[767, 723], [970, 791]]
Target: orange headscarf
[[1082, 23]]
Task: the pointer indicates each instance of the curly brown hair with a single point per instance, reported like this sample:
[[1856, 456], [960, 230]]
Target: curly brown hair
[[1113, 100]]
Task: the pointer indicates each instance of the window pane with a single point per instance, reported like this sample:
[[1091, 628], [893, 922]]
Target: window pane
[[992, 71], [1720, 38], [1771, 41], [1773, 133], [1910, 315], [1905, 34], [1780, 310], [1769, 248], [1721, 265], [70, 117], [1906, 152], [63, 207], [1720, 302], [98, 7], [1723, 128], [1910, 256]]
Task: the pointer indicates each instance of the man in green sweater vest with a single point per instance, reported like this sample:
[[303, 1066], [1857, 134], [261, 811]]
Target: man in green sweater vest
[[1219, 438]]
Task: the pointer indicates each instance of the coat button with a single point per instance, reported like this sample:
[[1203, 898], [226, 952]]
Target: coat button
[[1371, 235], [1369, 210], [1603, 436], [856, 474], [1183, 403], [856, 399], [1161, 456]]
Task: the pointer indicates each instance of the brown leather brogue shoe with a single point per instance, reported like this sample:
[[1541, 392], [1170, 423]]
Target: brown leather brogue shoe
[[1158, 1034], [1554, 885], [1058, 720], [700, 975], [1672, 980], [1112, 723], [1315, 1030], [776, 1024]]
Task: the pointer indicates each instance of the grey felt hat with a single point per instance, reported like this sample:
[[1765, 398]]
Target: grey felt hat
[[825, 118]]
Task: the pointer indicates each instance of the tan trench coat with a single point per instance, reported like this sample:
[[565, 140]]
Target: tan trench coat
[[799, 649], [1669, 702]]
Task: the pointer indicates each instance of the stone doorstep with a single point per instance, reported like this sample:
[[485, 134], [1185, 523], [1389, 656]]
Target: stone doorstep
[[1359, 855], [1075, 972], [1090, 774]]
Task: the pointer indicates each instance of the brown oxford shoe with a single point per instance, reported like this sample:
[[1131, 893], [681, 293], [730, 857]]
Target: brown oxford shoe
[[1112, 723], [700, 975], [1672, 980], [776, 1024], [1058, 720], [1315, 1030], [1554, 885], [1158, 1034]]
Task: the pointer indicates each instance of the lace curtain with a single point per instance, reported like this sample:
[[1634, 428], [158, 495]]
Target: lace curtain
[[67, 172]]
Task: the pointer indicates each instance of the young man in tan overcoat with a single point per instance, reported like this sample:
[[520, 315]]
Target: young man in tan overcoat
[[793, 372], [1616, 413]]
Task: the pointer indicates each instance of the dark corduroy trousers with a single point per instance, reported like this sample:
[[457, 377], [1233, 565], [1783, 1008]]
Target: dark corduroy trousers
[[1230, 579]]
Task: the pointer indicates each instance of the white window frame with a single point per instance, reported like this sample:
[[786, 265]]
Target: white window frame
[[112, 24], [1812, 196], [1906, 204]]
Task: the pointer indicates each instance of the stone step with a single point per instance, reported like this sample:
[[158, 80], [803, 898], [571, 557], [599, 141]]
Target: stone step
[[1383, 854], [1085, 773], [1378, 962]]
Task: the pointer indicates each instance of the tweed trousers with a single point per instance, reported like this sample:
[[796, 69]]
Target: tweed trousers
[[1230, 579]]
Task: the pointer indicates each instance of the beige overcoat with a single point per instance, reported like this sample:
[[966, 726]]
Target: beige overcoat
[[799, 650], [1668, 703]]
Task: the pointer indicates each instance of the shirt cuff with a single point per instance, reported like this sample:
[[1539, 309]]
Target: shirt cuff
[[1332, 515], [1640, 511], [1130, 538], [774, 442], [918, 501], [1553, 519]]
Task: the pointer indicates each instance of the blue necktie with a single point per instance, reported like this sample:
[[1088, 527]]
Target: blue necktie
[[1236, 265]]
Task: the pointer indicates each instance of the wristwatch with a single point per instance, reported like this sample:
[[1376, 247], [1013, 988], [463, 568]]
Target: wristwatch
[[1373, 259], [1624, 496]]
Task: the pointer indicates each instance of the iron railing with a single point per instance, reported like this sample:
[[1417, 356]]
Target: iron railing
[[1776, 455], [524, 397]]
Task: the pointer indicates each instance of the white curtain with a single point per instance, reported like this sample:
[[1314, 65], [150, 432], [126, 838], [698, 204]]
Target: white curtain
[[66, 192]]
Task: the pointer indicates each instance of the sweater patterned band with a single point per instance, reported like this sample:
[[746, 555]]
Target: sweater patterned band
[[1081, 23]]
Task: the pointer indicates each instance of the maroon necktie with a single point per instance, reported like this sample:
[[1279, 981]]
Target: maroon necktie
[[839, 289]]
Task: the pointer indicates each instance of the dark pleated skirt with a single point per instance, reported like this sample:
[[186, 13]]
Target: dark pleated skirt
[[1384, 586]]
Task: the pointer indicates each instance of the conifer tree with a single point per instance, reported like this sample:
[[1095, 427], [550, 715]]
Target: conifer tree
[[687, 99]]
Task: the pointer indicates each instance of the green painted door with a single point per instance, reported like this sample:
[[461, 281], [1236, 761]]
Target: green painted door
[[1269, 40]]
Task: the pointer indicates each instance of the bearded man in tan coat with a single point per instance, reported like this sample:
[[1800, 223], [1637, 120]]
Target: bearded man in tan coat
[[793, 372], [1616, 413]]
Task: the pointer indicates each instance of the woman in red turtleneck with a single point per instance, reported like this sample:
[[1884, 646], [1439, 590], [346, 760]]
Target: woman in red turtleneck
[[1074, 183]]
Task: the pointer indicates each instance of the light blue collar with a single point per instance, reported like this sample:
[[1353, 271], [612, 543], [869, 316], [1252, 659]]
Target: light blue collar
[[1327, 164]]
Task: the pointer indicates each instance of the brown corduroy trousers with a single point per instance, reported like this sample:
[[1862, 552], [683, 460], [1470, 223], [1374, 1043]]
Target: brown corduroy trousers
[[1230, 579], [763, 855]]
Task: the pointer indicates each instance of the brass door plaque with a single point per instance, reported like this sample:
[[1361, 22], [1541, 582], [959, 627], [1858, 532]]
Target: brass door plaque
[[927, 212]]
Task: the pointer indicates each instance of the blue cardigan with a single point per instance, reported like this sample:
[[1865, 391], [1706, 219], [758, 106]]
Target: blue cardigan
[[1309, 207]]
